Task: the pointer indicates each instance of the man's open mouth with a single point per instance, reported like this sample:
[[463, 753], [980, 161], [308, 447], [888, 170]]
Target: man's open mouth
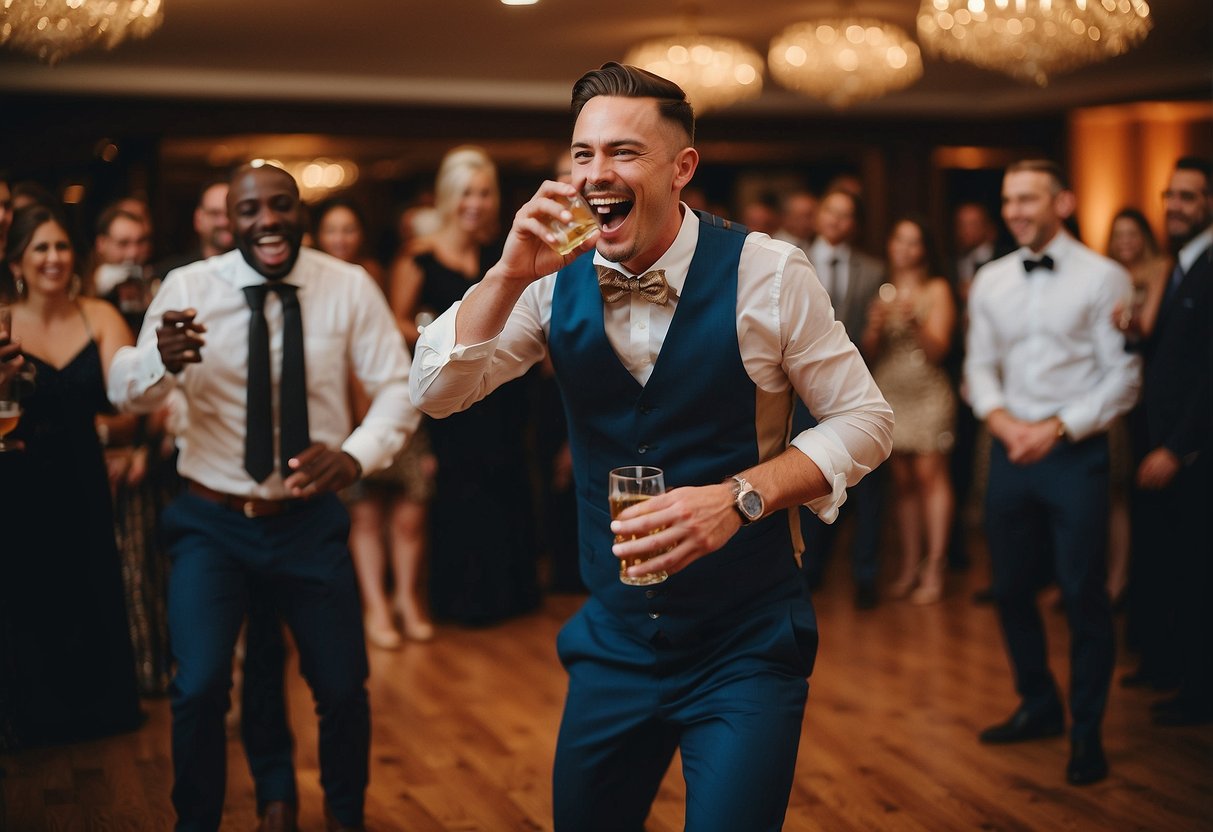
[[610, 211], [273, 249]]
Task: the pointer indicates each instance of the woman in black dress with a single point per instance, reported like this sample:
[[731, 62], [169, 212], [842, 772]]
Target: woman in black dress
[[67, 671], [482, 542]]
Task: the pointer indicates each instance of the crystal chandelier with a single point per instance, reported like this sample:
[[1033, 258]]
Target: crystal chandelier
[[714, 72], [55, 29], [844, 61], [1032, 39]]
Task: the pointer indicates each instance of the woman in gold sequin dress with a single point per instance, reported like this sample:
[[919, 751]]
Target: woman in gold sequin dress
[[908, 335]]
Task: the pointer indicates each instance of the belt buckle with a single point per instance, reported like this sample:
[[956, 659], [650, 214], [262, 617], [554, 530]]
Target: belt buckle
[[250, 509]]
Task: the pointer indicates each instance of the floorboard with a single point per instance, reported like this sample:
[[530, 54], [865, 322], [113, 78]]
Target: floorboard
[[464, 733]]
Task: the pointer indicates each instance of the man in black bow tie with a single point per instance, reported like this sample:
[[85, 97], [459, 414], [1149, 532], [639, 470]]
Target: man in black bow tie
[[679, 343], [1047, 371]]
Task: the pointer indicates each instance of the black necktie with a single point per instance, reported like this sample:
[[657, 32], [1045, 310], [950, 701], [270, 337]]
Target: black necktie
[[292, 389], [1045, 262]]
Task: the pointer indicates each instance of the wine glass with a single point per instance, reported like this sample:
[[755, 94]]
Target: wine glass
[[628, 486]]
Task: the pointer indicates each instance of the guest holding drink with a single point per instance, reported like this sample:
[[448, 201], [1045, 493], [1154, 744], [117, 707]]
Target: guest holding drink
[[680, 344], [268, 444], [907, 337], [65, 653], [484, 547]]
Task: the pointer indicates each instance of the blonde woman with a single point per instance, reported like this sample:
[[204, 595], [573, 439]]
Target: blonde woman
[[482, 535]]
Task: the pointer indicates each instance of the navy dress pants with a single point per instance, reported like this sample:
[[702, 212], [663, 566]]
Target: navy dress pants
[[301, 560], [265, 730], [732, 703], [1051, 518]]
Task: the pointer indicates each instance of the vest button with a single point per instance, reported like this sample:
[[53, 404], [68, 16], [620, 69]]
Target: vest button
[[642, 449], [654, 615], [650, 593]]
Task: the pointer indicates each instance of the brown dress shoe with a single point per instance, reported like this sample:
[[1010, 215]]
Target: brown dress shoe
[[279, 816]]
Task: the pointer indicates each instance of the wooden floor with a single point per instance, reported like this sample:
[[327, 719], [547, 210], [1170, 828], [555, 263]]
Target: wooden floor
[[464, 733]]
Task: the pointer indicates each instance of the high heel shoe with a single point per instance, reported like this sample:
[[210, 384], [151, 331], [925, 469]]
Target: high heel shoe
[[415, 625], [905, 584], [382, 636], [930, 587]]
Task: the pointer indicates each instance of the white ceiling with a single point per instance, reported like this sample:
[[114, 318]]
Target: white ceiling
[[481, 53]]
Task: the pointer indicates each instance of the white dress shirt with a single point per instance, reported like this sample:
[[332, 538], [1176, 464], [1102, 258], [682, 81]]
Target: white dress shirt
[[833, 262], [787, 336], [1043, 344], [1194, 248], [967, 264], [346, 325]]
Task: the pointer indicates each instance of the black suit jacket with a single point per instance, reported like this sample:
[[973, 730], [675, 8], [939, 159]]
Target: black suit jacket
[[1177, 366]]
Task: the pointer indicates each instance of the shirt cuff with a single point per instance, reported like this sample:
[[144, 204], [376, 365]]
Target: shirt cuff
[[826, 506], [1078, 423], [151, 370]]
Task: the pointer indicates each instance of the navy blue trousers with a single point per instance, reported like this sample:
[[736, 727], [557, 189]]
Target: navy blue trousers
[[732, 703], [300, 561], [1050, 519], [265, 728]]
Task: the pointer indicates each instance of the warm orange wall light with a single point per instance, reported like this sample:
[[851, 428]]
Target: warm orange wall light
[[1123, 156]]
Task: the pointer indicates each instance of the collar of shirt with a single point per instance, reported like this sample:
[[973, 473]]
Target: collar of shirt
[[823, 253], [1188, 254], [984, 253], [1057, 248], [240, 274], [677, 258]]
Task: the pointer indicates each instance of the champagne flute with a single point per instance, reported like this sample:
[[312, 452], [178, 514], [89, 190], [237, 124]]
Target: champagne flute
[[628, 486]]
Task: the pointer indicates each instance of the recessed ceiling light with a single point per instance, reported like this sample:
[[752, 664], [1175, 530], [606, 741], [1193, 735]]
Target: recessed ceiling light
[[519, 2]]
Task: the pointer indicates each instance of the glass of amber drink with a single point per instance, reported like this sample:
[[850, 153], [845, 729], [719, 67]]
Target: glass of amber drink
[[628, 486], [571, 234]]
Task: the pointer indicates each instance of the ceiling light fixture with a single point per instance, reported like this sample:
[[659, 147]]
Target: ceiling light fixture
[[842, 61], [54, 29], [1032, 39], [714, 72]]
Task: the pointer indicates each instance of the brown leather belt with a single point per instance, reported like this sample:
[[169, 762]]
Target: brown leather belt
[[248, 506]]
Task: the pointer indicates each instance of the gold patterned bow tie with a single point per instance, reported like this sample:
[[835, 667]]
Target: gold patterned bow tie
[[651, 286]]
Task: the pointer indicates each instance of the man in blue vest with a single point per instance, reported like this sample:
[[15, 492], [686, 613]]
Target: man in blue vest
[[681, 343]]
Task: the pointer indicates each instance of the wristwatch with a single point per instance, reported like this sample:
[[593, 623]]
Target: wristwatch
[[747, 501]]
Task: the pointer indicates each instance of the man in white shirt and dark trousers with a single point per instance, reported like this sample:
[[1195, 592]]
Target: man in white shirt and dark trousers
[[680, 343], [267, 447], [1047, 371]]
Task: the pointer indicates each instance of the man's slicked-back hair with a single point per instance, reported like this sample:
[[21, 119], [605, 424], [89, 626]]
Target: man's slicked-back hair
[[1045, 166], [633, 82]]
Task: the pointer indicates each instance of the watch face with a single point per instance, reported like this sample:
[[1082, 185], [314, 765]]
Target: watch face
[[751, 504]]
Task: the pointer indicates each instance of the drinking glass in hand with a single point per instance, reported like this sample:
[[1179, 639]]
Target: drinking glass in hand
[[628, 486], [571, 234]]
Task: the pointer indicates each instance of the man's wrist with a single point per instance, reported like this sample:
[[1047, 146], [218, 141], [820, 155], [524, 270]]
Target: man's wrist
[[357, 465]]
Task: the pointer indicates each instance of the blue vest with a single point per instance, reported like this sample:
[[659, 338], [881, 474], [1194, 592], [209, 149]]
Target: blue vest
[[695, 418]]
